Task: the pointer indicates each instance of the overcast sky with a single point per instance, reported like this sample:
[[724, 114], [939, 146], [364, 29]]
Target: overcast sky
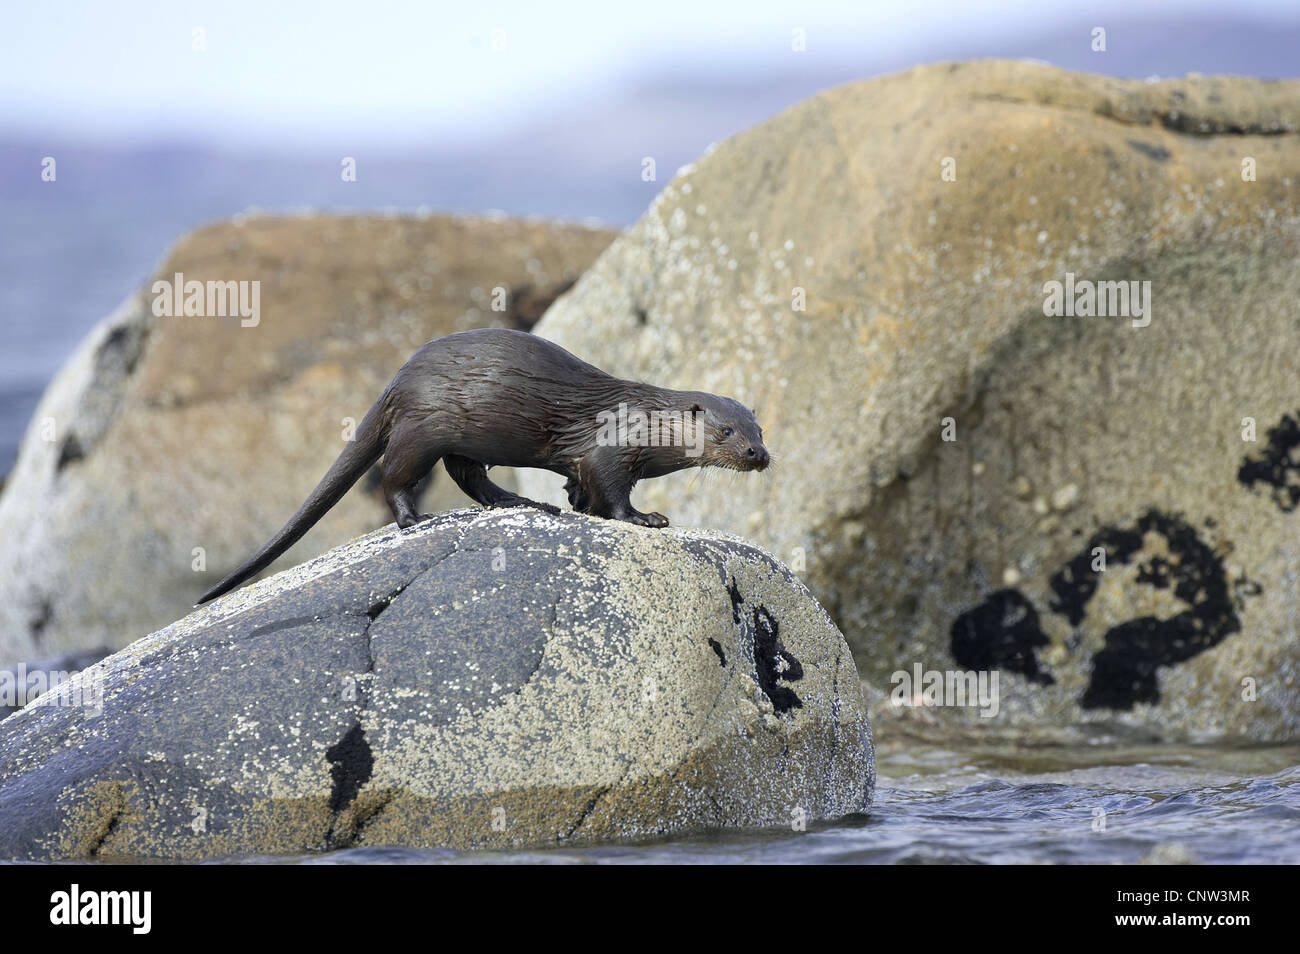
[[409, 73]]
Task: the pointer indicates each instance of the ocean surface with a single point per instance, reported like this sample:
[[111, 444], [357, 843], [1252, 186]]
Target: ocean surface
[[997, 804]]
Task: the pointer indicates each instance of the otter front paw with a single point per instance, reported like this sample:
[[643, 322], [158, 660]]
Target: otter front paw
[[409, 520], [647, 519]]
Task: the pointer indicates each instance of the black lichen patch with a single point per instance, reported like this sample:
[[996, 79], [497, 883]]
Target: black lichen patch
[[70, 451], [736, 600], [1075, 583], [1001, 633], [717, 648], [1277, 465], [774, 663], [1158, 153], [1124, 673], [1156, 572], [1124, 670], [351, 765]]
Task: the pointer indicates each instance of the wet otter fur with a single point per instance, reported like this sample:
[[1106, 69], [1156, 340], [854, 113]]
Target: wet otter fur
[[494, 397]]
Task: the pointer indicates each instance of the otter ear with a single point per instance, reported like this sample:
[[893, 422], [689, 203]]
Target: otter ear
[[696, 409]]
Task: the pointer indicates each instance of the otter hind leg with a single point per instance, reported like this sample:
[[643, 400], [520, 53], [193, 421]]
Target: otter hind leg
[[407, 461], [472, 478]]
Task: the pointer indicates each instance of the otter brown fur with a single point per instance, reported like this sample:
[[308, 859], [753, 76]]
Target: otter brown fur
[[493, 397]]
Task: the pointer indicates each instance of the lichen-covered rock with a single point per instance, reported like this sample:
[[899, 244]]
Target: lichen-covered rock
[[487, 679], [869, 271], [169, 448]]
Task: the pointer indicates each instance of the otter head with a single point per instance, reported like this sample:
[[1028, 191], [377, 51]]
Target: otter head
[[731, 435]]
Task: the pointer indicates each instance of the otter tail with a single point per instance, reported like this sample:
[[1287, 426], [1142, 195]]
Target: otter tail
[[366, 448]]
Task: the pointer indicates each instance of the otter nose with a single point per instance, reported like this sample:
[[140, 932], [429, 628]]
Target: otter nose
[[758, 455]]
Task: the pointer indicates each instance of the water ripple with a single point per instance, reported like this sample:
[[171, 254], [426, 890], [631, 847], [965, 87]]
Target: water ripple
[[935, 806]]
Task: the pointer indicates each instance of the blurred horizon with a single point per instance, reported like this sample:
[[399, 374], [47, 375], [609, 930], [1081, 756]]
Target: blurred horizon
[[410, 77], [502, 108]]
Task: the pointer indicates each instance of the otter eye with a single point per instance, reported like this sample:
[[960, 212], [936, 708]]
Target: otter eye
[[727, 432]]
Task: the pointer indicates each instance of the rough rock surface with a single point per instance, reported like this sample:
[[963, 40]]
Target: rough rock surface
[[486, 679], [169, 441], [822, 269]]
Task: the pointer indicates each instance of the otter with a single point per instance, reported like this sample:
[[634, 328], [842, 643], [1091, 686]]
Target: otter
[[494, 397]]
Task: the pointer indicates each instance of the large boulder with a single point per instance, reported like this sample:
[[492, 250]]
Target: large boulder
[[870, 271], [487, 679], [169, 448]]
